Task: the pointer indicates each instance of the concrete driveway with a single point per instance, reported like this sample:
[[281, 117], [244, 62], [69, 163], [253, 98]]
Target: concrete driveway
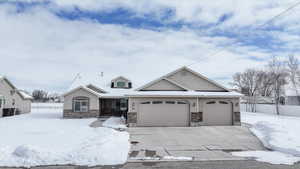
[[197, 143]]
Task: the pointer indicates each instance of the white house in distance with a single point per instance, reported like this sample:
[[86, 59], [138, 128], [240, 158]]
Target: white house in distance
[[181, 98], [12, 100]]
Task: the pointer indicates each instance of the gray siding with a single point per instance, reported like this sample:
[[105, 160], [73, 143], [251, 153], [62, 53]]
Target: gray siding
[[163, 85], [193, 82]]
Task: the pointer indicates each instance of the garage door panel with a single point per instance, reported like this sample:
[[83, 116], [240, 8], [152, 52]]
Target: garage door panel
[[217, 113], [163, 115]]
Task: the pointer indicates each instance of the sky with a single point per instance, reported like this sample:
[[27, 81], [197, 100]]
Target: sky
[[44, 44]]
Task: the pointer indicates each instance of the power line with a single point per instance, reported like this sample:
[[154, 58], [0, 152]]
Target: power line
[[259, 27]]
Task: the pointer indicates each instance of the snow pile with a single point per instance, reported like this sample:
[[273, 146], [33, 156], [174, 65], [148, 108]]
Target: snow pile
[[115, 123], [273, 157], [278, 133], [177, 158], [44, 138]]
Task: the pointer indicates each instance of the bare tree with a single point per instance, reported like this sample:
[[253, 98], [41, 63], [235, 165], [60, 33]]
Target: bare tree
[[40, 95], [266, 84], [294, 74], [248, 83], [278, 74]]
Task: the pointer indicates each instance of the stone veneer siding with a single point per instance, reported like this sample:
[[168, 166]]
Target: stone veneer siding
[[71, 114], [196, 119], [132, 119], [236, 118]]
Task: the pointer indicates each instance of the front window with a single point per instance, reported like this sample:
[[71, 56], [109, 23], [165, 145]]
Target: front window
[[120, 84], [80, 104], [2, 101]]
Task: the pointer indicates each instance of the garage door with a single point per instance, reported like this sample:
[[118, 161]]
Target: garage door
[[163, 113], [217, 113]]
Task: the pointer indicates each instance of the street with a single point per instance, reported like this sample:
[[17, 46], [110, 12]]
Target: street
[[182, 165]]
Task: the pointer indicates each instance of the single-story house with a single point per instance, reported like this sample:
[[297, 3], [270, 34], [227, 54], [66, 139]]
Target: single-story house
[[180, 98], [12, 100]]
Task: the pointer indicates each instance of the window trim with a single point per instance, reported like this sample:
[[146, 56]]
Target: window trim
[[81, 100]]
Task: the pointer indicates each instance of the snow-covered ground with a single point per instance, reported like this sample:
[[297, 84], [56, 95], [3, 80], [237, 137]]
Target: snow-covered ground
[[278, 133], [44, 138], [115, 123]]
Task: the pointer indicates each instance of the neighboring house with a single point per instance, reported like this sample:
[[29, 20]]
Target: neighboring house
[[292, 95], [13, 101], [257, 100], [180, 98]]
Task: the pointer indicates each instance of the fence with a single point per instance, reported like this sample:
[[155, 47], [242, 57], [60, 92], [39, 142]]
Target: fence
[[271, 109]]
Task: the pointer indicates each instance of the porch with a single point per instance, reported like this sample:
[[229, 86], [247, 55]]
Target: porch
[[113, 107]]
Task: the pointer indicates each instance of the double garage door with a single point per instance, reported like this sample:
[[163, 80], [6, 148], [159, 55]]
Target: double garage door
[[163, 114], [173, 113]]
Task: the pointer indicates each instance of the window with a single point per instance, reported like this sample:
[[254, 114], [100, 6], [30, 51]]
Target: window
[[222, 102], [170, 102], [129, 85], [145, 103], [112, 85], [212, 102], [180, 102], [120, 84], [2, 101], [81, 104], [157, 102]]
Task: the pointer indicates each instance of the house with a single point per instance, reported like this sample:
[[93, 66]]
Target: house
[[180, 98], [292, 95], [12, 100]]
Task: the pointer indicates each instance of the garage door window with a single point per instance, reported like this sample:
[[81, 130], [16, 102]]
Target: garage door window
[[157, 102], [180, 102], [212, 102], [222, 102], [170, 102], [145, 102]]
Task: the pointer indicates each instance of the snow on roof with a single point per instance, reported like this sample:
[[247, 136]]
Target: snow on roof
[[184, 94], [290, 90], [119, 92], [84, 88], [25, 95]]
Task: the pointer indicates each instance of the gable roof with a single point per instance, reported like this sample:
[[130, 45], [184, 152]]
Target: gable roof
[[120, 77], [96, 89], [21, 93], [180, 69], [83, 88]]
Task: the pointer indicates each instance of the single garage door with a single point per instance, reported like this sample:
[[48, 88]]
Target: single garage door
[[217, 113], [163, 114]]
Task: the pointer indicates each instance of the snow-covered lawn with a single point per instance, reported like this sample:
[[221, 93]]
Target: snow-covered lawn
[[278, 133], [115, 123], [44, 138]]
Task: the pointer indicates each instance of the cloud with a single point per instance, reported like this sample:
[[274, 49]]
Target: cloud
[[39, 49]]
